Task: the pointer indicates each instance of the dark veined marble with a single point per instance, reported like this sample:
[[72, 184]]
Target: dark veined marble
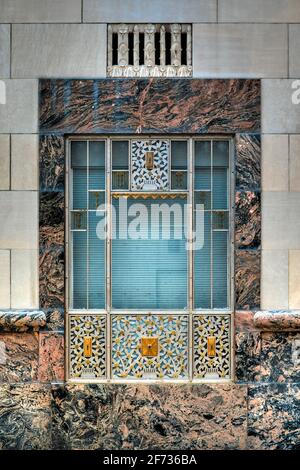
[[277, 364], [51, 282], [18, 357], [149, 106], [247, 356], [52, 163], [277, 320], [248, 162], [54, 319], [21, 320], [274, 417], [247, 347], [202, 416], [25, 417], [247, 279], [247, 219], [52, 219]]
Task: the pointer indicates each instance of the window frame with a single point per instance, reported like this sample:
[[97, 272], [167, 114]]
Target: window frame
[[190, 139]]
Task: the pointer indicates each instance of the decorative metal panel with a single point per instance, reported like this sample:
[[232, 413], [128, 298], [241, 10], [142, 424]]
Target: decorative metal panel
[[155, 178], [87, 347], [171, 334], [211, 336]]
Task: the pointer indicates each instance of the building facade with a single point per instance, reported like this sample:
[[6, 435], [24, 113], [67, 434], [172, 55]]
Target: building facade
[[149, 242]]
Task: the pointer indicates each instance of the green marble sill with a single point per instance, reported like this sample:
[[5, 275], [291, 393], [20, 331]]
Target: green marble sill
[[21, 320], [277, 320]]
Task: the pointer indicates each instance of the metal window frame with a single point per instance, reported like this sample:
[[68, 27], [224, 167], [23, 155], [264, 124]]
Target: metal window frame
[[190, 310]]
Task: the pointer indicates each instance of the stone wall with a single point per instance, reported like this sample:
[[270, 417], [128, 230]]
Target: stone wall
[[67, 39]]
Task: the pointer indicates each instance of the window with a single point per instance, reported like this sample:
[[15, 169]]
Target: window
[[149, 247]]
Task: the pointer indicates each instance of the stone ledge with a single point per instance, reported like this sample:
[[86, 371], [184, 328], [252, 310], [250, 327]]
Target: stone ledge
[[277, 320], [21, 320]]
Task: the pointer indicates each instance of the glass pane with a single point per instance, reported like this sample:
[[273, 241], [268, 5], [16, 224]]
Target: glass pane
[[97, 154], [96, 268], [150, 272], [202, 178], [96, 198], [120, 180], [220, 220], [202, 153], [220, 174], [179, 154], [221, 153], [79, 188], [203, 198], [220, 191], [79, 273], [179, 179], [202, 268], [220, 269], [78, 154], [120, 155], [78, 220]]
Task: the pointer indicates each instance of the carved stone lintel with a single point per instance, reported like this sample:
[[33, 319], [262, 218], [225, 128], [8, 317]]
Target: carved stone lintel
[[156, 71]]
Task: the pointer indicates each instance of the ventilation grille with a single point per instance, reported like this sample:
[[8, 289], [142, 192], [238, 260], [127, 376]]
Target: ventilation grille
[[149, 50]]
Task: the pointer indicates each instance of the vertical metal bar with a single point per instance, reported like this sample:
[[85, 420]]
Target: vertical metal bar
[[109, 228], [87, 223], [211, 224], [190, 252]]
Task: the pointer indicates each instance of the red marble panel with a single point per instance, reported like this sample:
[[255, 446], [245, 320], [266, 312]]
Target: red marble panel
[[51, 357], [18, 357]]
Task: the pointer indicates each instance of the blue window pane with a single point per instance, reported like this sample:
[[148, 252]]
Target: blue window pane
[[79, 270], [149, 273], [96, 269], [202, 268], [220, 269]]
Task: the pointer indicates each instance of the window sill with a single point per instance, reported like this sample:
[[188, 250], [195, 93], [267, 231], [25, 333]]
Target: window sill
[[21, 320], [277, 320]]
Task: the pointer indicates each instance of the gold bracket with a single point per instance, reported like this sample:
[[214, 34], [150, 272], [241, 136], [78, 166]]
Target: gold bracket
[[149, 160], [87, 346], [149, 347], [211, 346]]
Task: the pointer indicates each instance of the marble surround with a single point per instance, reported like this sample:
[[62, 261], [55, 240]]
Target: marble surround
[[38, 410], [240, 415], [143, 106]]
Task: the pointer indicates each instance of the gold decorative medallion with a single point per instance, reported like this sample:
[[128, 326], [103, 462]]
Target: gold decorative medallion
[[149, 347]]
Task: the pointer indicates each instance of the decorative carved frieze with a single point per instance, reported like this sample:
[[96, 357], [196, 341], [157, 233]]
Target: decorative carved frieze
[[149, 50]]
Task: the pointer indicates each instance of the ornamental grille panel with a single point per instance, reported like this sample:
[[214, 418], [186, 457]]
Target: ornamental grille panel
[[149, 50], [152, 175], [87, 348], [150, 346]]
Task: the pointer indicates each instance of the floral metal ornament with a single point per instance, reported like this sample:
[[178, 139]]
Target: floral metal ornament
[[211, 337], [146, 177], [171, 334], [87, 347]]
